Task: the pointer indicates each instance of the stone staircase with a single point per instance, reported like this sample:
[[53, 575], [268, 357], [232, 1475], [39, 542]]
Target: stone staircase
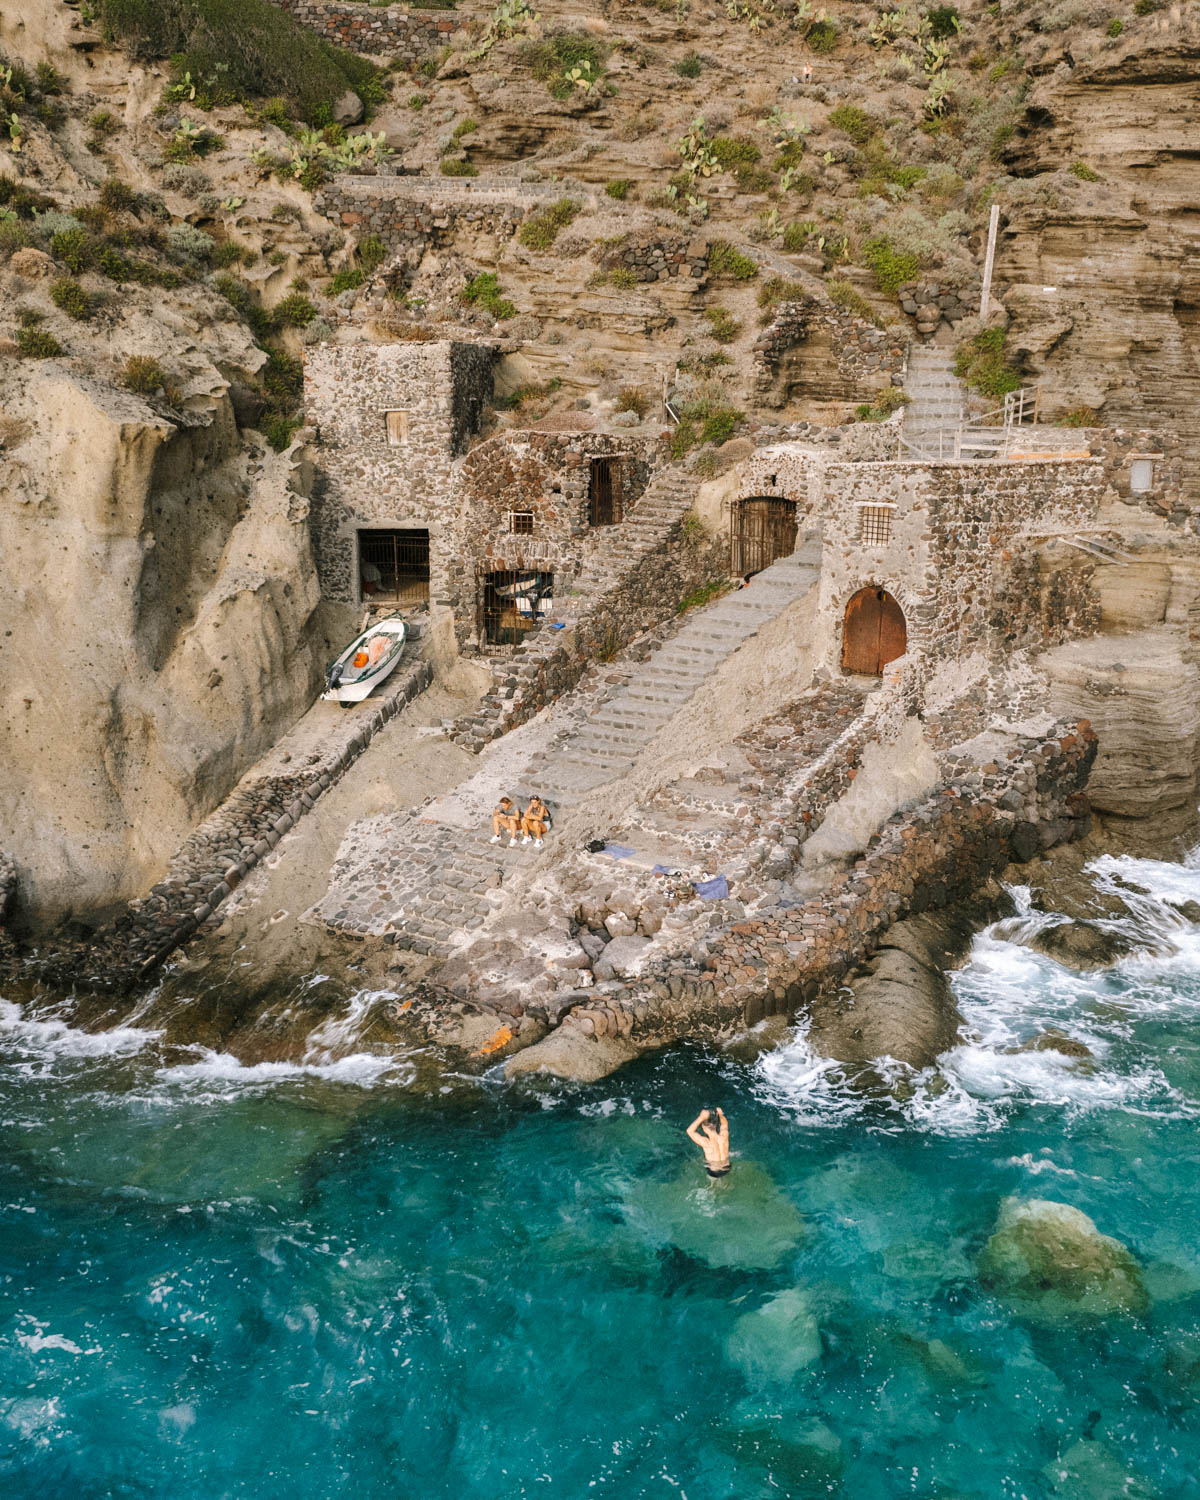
[[938, 404], [418, 881], [606, 748], [522, 679]]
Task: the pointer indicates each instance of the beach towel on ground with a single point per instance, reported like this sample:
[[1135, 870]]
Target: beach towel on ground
[[715, 889]]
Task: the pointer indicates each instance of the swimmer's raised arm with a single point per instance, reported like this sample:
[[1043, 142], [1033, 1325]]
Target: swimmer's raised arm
[[693, 1130]]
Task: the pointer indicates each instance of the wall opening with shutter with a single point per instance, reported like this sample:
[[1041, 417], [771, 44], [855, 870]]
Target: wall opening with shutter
[[604, 492], [393, 566], [762, 530]]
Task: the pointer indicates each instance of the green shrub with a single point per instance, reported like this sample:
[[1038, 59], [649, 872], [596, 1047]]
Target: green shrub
[[943, 22], [1116, 26], [418, 101], [618, 187], [24, 202], [733, 151], [631, 398], [1080, 416], [854, 122], [1146, 7], [797, 234], [550, 59], [484, 291], [1085, 173], [465, 127], [50, 80], [372, 253], [188, 241], [846, 296], [823, 35], [117, 197], [790, 154], [725, 260], [69, 297], [983, 363], [294, 311], [891, 267], [540, 230], [887, 401], [47, 225], [283, 377], [705, 594], [143, 374], [348, 280], [622, 278], [278, 430], [13, 237], [228, 253], [703, 421], [690, 66], [779, 289], [723, 326], [75, 249], [452, 167], [242, 49], [37, 343]]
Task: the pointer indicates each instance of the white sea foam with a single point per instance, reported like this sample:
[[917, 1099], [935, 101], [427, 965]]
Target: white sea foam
[[1009, 994], [224, 1072], [55, 1038]]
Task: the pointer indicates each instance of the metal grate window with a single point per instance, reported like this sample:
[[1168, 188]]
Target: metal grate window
[[393, 566], [875, 525], [520, 522], [513, 601]]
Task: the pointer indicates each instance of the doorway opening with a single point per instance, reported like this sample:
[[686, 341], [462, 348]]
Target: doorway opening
[[604, 492], [874, 632], [513, 602], [393, 566], [763, 529]]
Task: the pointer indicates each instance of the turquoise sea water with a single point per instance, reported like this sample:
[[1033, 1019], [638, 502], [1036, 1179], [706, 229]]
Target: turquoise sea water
[[273, 1282]]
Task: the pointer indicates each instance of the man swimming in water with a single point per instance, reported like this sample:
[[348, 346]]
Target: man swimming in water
[[714, 1142]]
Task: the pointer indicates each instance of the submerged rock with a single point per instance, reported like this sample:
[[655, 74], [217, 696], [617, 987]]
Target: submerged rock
[[1054, 1265], [748, 1046], [777, 1340], [1090, 1470], [1053, 1040], [568, 1053], [741, 1220], [798, 1454]]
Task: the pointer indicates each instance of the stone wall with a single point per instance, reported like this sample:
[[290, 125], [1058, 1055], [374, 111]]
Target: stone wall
[[922, 859], [415, 212], [1116, 449], [962, 559], [929, 302], [658, 254], [392, 30], [366, 482], [808, 340]]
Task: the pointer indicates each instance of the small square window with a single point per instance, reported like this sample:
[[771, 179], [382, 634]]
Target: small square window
[[875, 525], [520, 522], [397, 428], [1141, 475]]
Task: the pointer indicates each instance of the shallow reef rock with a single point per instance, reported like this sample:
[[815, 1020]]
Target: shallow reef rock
[[778, 1340], [1053, 1265], [1084, 946]]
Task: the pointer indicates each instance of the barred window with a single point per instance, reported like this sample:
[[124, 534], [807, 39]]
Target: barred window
[[520, 522], [875, 525]]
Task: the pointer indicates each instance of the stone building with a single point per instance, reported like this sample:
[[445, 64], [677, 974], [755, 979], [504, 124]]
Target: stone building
[[408, 508]]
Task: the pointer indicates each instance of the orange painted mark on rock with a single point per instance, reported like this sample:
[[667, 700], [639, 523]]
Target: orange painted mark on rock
[[499, 1039]]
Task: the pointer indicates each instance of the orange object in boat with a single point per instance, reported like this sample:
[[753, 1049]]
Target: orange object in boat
[[360, 658]]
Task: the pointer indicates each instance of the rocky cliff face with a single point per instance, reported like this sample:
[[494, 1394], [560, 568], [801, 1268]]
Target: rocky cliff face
[[1104, 267], [155, 628]]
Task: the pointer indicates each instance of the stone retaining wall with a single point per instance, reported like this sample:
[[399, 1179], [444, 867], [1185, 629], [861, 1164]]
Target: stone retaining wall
[[418, 211], [925, 858], [215, 859], [657, 254], [930, 301], [807, 339], [392, 30]]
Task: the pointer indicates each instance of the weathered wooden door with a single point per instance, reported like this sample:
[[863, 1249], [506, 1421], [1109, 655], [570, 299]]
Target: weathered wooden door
[[874, 632], [604, 492], [764, 529]]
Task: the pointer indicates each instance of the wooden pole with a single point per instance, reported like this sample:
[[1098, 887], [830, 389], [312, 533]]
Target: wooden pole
[[993, 225]]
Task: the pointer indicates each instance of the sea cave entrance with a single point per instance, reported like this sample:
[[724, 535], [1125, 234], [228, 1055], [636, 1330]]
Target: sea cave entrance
[[874, 632]]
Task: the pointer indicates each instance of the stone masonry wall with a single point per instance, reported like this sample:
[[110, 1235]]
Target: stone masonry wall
[[393, 30], [807, 338], [366, 482], [961, 560], [415, 212], [1115, 449], [657, 254]]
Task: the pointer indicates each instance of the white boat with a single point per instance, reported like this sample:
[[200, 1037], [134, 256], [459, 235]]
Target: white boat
[[365, 662]]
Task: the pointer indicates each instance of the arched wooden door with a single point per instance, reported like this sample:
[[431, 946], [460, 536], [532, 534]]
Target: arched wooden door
[[763, 530], [874, 632]]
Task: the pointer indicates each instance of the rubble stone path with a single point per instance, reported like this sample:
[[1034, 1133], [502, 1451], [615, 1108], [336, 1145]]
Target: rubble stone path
[[419, 881]]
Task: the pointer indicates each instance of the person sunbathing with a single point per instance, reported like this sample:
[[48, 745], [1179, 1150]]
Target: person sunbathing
[[535, 822], [506, 818], [714, 1142]]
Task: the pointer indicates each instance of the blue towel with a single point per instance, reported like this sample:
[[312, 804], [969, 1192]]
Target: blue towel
[[661, 870], [618, 851], [715, 889], [558, 625]]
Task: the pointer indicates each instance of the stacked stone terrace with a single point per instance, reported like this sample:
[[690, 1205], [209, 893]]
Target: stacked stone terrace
[[397, 30]]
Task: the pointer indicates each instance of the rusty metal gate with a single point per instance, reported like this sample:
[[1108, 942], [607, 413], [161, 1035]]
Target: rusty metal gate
[[874, 632], [605, 507], [511, 602], [393, 566], [762, 530]]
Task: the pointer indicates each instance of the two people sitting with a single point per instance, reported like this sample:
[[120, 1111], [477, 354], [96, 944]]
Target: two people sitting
[[533, 823]]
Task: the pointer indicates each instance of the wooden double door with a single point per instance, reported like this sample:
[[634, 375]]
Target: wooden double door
[[874, 632], [763, 530]]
